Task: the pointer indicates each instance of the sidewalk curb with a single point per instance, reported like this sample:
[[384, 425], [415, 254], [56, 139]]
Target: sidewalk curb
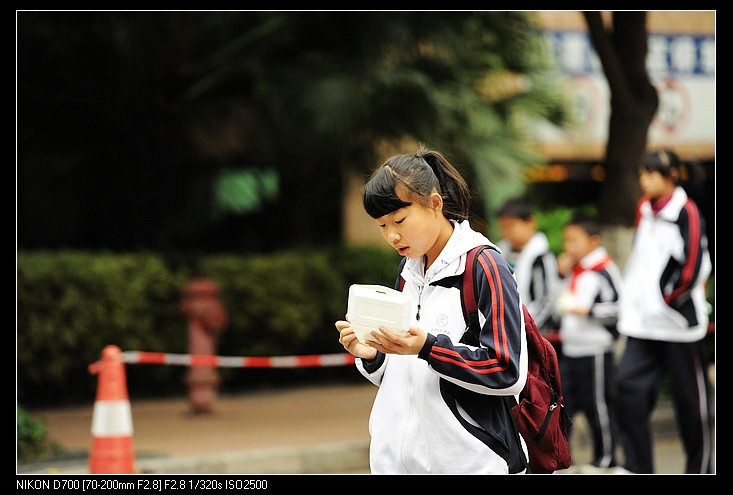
[[327, 458]]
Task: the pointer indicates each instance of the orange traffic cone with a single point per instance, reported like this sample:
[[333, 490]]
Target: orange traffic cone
[[111, 450]]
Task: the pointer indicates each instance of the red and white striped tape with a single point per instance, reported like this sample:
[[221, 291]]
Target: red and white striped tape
[[304, 361]]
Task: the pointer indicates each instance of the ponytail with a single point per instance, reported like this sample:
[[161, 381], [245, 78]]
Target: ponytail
[[453, 188], [420, 174]]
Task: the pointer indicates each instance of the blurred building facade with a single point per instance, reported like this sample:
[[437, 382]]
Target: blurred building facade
[[681, 64]]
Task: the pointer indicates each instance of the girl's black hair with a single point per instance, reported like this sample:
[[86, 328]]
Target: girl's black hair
[[589, 223], [420, 174], [661, 161], [516, 208]]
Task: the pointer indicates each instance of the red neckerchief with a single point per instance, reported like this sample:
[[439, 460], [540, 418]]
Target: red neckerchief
[[660, 203], [578, 269]]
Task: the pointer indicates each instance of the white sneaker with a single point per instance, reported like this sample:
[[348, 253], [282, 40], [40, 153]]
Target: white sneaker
[[591, 469], [620, 470]]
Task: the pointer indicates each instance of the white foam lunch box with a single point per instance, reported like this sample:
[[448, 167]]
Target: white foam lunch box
[[371, 306]]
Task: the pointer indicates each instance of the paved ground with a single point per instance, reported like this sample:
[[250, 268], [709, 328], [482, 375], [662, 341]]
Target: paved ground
[[311, 429], [166, 430]]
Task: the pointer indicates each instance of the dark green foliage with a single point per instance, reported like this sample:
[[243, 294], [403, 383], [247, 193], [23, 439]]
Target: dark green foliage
[[33, 442], [552, 220], [126, 119], [73, 304]]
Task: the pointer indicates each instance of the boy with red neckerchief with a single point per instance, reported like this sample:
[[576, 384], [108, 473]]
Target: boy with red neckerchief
[[588, 309]]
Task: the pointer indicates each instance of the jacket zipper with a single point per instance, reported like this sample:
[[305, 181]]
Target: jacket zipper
[[419, 297]]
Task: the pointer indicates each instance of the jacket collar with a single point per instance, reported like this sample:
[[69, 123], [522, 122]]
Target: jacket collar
[[452, 259]]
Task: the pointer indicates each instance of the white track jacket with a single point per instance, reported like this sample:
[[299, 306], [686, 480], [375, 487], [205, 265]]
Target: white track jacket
[[663, 296], [442, 411]]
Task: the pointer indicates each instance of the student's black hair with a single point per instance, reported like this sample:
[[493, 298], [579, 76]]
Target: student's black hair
[[516, 208], [661, 161], [585, 221], [420, 175]]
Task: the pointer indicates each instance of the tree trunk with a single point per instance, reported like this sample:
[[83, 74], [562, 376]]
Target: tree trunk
[[622, 50]]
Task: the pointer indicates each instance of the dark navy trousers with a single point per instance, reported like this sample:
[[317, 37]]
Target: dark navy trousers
[[643, 367]]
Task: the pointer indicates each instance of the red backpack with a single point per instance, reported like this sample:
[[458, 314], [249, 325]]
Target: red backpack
[[540, 415]]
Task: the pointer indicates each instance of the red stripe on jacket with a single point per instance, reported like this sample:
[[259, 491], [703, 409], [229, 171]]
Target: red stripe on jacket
[[493, 365], [690, 267]]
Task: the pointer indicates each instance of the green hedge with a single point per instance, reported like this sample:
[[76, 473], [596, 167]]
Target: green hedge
[[71, 304]]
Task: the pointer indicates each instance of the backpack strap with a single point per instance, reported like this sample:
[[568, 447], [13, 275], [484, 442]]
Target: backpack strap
[[468, 291], [511, 402], [470, 312]]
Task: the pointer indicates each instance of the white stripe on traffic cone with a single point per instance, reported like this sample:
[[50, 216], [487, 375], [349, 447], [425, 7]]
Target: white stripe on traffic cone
[[112, 450]]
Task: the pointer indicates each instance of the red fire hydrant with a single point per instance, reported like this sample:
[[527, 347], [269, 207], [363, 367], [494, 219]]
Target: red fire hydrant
[[207, 317]]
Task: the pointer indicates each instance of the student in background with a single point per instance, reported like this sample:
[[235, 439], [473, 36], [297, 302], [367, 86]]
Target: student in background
[[664, 316], [528, 253], [588, 308]]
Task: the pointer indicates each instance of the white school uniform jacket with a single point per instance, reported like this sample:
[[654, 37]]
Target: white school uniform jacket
[[593, 285], [442, 411], [663, 296], [535, 269]]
